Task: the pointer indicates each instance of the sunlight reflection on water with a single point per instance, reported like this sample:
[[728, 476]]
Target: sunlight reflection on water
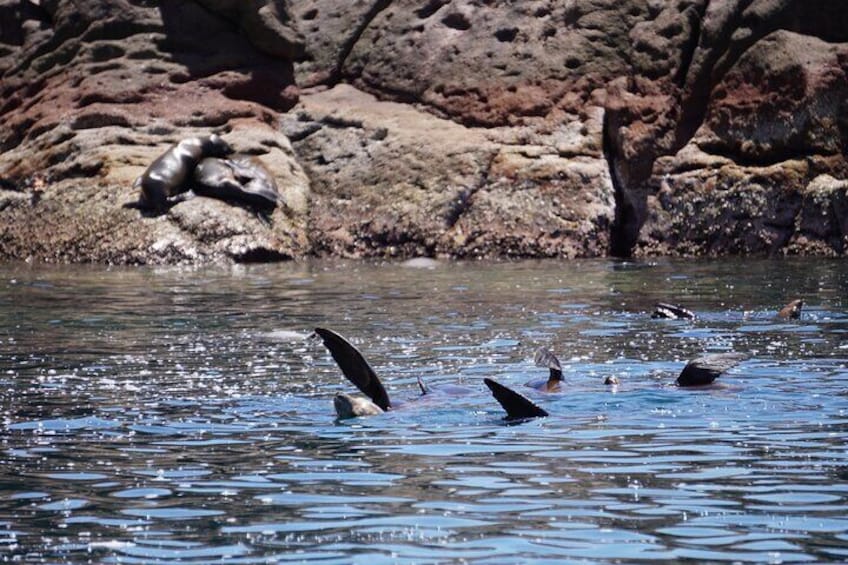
[[182, 415]]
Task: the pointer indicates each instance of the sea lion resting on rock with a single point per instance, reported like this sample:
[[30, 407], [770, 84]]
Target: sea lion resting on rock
[[244, 179], [169, 174]]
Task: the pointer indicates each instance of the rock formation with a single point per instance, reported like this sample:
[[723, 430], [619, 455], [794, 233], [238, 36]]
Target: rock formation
[[437, 127]]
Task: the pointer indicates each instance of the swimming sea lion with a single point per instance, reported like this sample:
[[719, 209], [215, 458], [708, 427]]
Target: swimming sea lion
[[359, 372], [169, 174], [706, 369], [517, 406], [544, 358], [672, 312], [348, 406], [244, 180], [791, 311]]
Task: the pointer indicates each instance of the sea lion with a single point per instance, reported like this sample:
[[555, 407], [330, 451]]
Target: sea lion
[[243, 180], [257, 180], [706, 369], [169, 174], [517, 406], [611, 380], [791, 311], [544, 358], [671, 312], [348, 406], [359, 372]]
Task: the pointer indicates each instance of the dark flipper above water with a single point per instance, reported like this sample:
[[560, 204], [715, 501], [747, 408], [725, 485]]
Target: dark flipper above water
[[544, 358], [517, 406], [672, 312], [704, 370], [355, 367]]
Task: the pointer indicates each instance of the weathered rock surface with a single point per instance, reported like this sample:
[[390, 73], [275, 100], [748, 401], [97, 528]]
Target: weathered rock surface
[[389, 179], [750, 180], [438, 127], [95, 91]]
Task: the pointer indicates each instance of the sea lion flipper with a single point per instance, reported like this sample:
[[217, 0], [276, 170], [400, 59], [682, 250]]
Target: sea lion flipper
[[544, 358], [355, 367], [706, 369], [517, 406], [672, 312], [423, 386]]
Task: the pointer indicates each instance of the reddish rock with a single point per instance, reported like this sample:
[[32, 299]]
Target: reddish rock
[[452, 127], [97, 91]]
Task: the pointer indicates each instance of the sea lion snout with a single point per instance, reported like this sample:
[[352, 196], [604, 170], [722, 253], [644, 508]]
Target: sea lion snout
[[348, 406], [215, 146]]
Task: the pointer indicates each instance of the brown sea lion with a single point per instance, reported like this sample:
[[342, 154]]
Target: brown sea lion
[[256, 179], [791, 311], [243, 180], [170, 173]]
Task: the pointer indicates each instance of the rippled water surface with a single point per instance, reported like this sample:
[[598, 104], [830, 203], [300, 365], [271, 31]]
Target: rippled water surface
[[182, 416]]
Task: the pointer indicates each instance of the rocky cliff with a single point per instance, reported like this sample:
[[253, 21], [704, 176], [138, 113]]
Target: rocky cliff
[[441, 127]]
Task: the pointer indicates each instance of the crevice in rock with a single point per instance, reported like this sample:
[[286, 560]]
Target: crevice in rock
[[772, 157], [722, 57], [625, 226], [347, 47], [463, 203], [695, 16], [261, 255]]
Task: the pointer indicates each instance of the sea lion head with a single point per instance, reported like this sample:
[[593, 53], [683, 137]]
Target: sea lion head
[[348, 406], [215, 146], [792, 311]]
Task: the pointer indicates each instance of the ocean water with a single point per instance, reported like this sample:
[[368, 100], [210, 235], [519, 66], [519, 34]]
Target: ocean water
[[184, 415]]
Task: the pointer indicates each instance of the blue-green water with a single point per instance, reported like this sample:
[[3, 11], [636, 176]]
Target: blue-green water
[[179, 415]]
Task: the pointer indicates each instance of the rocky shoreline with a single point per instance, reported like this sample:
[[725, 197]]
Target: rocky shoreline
[[438, 128]]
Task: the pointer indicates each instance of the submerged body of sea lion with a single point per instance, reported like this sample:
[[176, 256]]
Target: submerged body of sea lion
[[171, 173]]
